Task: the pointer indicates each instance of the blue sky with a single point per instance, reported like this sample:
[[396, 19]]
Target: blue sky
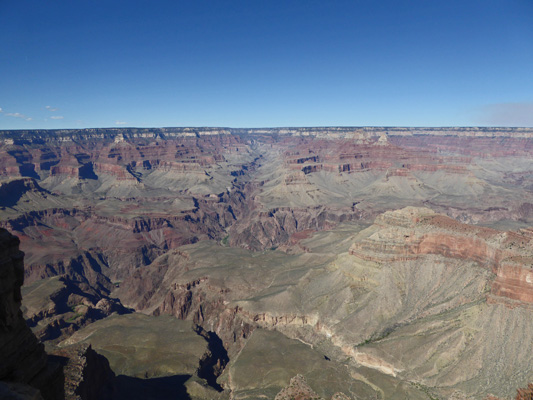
[[251, 63]]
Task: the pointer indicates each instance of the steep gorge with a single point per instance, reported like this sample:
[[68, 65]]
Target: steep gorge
[[243, 232]]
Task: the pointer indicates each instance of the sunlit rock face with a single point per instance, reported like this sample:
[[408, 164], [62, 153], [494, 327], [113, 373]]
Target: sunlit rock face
[[149, 190], [397, 260], [410, 233]]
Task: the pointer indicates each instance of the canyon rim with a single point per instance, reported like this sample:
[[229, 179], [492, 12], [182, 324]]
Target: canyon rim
[[220, 263]]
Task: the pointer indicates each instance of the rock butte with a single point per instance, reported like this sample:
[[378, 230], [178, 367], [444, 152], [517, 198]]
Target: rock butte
[[307, 262]]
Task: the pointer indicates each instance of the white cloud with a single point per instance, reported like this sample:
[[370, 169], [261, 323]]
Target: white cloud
[[1, 111], [56, 117], [507, 114], [19, 115], [50, 108], [120, 122], [16, 115]]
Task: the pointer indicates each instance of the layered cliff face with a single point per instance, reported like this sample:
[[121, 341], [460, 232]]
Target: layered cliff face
[[246, 232], [413, 232], [150, 190], [413, 300], [84, 202]]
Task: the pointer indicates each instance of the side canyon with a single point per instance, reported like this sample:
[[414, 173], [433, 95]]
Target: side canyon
[[220, 263]]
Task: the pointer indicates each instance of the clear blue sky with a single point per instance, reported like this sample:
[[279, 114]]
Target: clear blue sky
[[260, 63]]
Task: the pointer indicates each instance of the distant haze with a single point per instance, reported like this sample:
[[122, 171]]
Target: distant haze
[[507, 114]]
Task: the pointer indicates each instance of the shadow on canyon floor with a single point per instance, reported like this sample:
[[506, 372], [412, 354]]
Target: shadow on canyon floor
[[166, 388]]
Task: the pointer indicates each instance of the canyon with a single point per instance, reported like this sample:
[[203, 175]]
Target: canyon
[[222, 263]]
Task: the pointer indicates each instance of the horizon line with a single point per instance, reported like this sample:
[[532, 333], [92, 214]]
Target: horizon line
[[276, 127]]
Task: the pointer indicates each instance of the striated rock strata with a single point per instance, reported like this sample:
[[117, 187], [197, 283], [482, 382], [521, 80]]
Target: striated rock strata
[[413, 232]]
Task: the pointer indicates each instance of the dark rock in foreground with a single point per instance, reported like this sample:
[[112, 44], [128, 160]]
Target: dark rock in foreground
[[87, 374], [23, 360], [26, 371]]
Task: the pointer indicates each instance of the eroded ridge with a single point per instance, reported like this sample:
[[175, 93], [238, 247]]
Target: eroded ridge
[[414, 232]]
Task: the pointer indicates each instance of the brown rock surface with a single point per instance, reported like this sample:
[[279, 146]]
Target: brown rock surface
[[413, 232], [408, 302], [298, 389], [255, 188], [87, 374], [526, 393], [161, 218], [23, 358], [56, 307], [522, 394]]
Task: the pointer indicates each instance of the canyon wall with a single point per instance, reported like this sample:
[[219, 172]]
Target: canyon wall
[[23, 358], [345, 238]]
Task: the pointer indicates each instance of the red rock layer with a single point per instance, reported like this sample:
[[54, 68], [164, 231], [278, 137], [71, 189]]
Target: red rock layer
[[522, 394], [410, 233], [476, 146], [114, 154], [347, 155]]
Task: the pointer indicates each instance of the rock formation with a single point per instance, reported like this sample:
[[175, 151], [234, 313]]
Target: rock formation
[[396, 258], [522, 394], [87, 374], [298, 389], [58, 306], [23, 357], [413, 232], [26, 371], [70, 189]]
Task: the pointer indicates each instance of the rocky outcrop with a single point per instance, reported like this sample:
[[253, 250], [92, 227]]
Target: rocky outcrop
[[410, 233], [87, 154], [526, 393], [57, 307], [298, 389], [277, 226], [514, 282], [23, 357], [87, 374], [14, 190], [26, 371], [522, 394]]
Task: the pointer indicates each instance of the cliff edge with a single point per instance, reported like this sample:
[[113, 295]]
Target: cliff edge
[[24, 361]]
